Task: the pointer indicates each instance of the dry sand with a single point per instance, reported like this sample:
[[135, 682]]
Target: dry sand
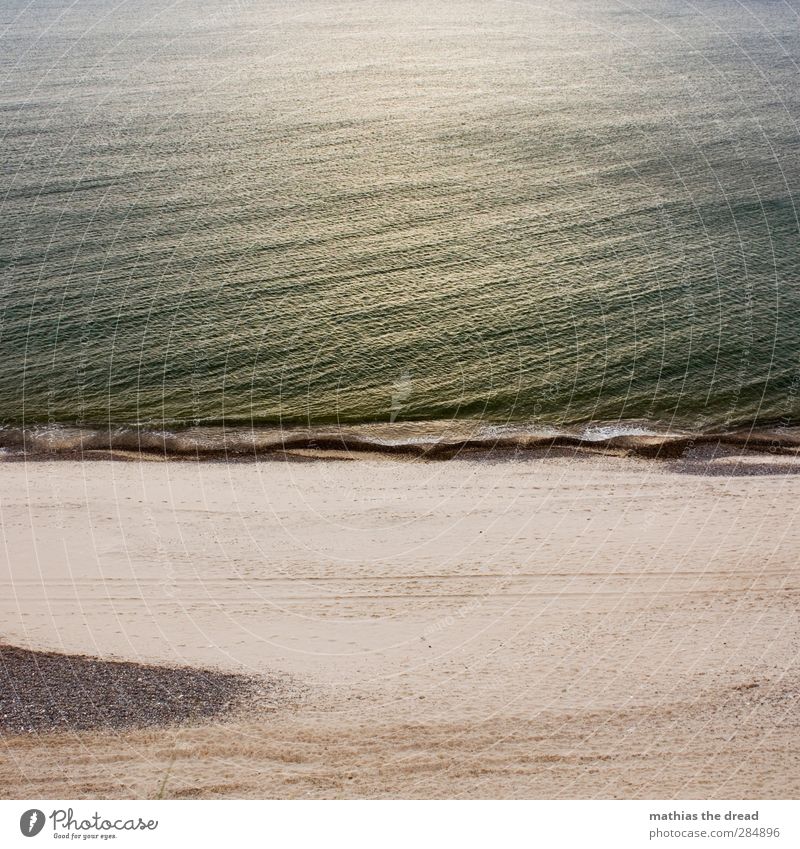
[[552, 628]]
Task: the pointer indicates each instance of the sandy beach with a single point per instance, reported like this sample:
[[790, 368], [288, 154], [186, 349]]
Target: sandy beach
[[508, 627]]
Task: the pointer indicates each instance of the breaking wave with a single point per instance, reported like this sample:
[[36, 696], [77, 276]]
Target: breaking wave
[[428, 440]]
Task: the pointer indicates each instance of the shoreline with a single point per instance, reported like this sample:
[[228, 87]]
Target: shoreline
[[421, 440]]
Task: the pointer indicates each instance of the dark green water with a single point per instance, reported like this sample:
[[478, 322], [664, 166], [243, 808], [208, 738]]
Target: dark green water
[[320, 212]]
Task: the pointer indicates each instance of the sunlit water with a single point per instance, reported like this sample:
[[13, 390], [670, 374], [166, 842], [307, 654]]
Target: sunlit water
[[321, 212]]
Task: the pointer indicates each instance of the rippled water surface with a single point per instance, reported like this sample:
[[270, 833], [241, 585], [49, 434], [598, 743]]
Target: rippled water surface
[[347, 212]]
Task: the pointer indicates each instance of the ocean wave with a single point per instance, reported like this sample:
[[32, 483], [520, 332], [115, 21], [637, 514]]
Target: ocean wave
[[429, 440]]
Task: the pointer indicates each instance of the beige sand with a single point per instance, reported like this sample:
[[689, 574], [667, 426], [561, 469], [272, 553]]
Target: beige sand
[[520, 628]]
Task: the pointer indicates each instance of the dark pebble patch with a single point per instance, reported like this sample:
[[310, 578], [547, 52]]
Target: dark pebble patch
[[44, 691]]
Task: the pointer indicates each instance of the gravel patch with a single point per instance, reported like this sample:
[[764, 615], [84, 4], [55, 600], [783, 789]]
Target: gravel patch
[[45, 691]]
